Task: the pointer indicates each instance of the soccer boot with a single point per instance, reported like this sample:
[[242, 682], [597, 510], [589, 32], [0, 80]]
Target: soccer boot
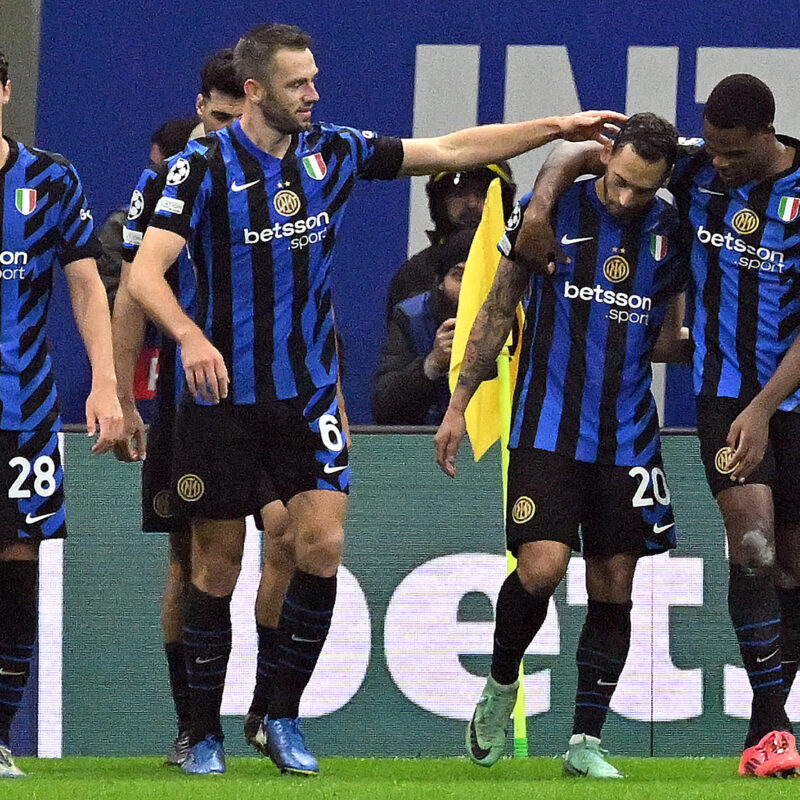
[[207, 757], [775, 755], [255, 733], [485, 738], [177, 753], [586, 759], [287, 747], [8, 769]]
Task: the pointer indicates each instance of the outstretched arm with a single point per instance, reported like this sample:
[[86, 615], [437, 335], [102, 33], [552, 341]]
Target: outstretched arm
[[486, 339], [484, 144]]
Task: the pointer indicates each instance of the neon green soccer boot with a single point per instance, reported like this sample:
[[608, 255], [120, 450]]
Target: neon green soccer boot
[[486, 733], [586, 759]]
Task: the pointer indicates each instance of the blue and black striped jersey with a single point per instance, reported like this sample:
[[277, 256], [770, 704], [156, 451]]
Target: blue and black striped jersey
[[180, 276], [583, 388], [44, 220], [745, 260], [261, 232]]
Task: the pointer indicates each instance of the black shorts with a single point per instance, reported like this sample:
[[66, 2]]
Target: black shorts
[[31, 486], [780, 467], [160, 511], [596, 509], [230, 460]]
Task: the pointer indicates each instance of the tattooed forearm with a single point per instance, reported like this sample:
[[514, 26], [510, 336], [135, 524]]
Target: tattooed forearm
[[492, 326]]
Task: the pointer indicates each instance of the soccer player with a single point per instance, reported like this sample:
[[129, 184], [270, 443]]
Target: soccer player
[[44, 221], [260, 206], [739, 194], [585, 450], [219, 103]]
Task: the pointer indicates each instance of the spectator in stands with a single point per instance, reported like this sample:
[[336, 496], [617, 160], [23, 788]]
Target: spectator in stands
[[168, 140], [455, 201], [411, 386]]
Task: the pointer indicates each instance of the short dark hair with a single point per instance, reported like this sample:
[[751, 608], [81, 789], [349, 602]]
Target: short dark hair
[[741, 101], [651, 137], [254, 52], [3, 69], [173, 135], [219, 74]]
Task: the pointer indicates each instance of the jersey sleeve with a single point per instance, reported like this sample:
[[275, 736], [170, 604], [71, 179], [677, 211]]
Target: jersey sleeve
[[75, 223], [187, 188], [513, 225], [375, 157], [140, 210]]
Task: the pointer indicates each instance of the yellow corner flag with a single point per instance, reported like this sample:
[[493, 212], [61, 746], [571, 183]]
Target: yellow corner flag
[[484, 412]]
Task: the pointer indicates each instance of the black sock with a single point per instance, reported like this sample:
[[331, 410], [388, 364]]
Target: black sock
[[790, 635], [266, 662], [602, 650], [304, 625], [179, 682], [18, 622], [207, 639], [756, 617], [517, 620]]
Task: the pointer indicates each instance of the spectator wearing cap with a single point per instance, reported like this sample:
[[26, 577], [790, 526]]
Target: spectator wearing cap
[[411, 386], [455, 202]]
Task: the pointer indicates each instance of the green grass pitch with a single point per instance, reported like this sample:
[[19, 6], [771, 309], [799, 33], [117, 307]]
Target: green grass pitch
[[387, 779]]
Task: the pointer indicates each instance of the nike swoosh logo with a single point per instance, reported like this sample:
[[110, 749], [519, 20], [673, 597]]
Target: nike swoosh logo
[[199, 660], [9, 673], [662, 528], [566, 240], [476, 749], [601, 682], [767, 658], [31, 520], [296, 638], [328, 469], [703, 190], [240, 187]]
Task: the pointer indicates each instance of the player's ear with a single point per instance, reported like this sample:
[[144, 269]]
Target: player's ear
[[605, 153], [5, 92], [253, 90], [199, 103]]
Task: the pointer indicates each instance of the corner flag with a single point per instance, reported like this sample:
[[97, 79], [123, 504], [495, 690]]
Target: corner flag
[[484, 413]]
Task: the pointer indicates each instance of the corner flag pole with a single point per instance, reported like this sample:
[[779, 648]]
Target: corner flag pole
[[504, 381]]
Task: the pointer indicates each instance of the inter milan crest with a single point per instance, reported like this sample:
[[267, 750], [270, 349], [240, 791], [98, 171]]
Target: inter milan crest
[[25, 201], [745, 221], [722, 460], [616, 268], [286, 203]]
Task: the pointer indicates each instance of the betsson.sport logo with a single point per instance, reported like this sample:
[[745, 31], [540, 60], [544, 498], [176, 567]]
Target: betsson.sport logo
[[624, 307], [760, 258], [301, 232]]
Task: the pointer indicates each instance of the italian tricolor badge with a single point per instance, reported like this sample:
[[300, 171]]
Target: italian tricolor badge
[[26, 201], [789, 208], [658, 246], [315, 166]]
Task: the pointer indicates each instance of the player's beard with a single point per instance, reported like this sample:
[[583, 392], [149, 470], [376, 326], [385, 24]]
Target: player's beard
[[279, 117]]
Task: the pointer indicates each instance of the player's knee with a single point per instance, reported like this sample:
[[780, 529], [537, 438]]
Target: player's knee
[[319, 549], [538, 581], [755, 550]]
